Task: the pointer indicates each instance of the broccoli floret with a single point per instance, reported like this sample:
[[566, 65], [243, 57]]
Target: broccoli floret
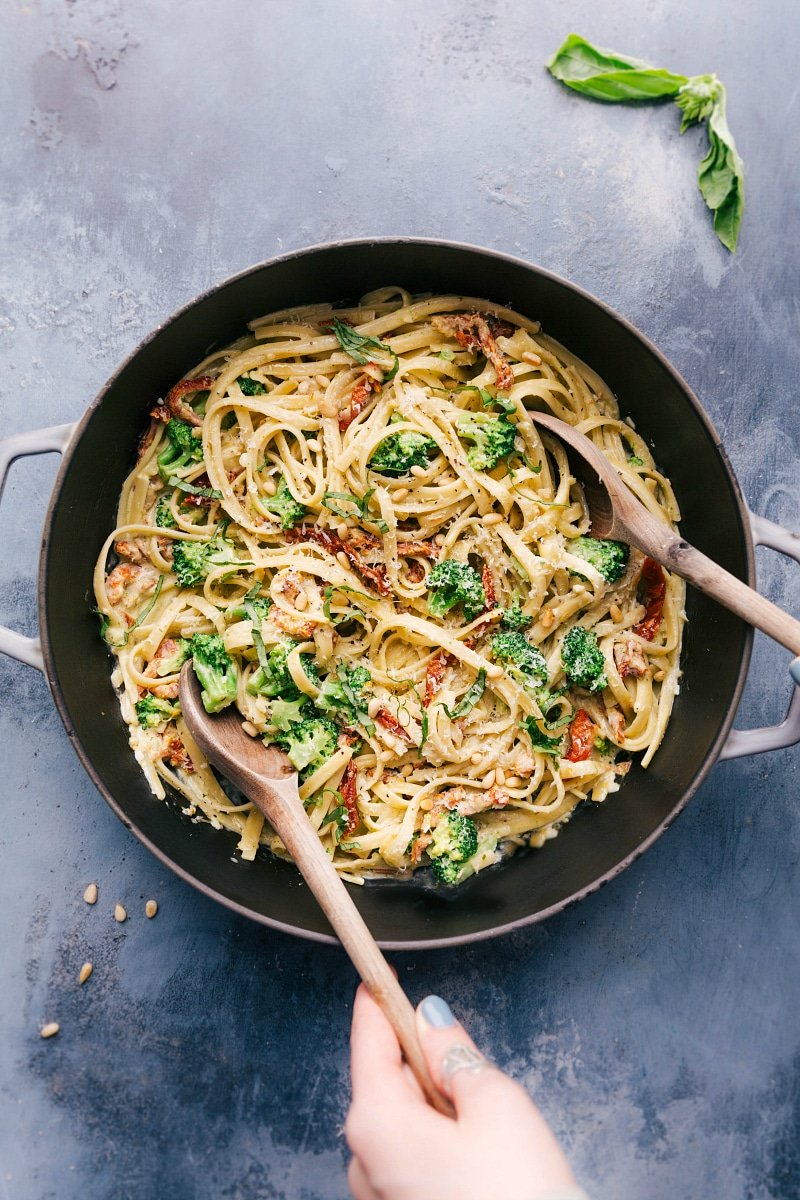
[[284, 713], [343, 695], [276, 679], [523, 660], [453, 873], [514, 618], [492, 439], [541, 741], [635, 461], [192, 561], [583, 659], [170, 665], [251, 387], [181, 450], [455, 837], [309, 743], [216, 671], [399, 452], [246, 610], [164, 517], [284, 506], [153, 712], [607, 557], [453, 583]]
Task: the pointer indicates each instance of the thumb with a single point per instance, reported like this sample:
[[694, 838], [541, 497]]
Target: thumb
[[457, 1066]]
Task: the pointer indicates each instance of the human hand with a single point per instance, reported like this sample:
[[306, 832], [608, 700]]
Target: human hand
[[499, 1147]]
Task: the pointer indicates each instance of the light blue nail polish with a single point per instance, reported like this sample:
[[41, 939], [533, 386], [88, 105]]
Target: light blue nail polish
[[437, 1012], [794, 671]]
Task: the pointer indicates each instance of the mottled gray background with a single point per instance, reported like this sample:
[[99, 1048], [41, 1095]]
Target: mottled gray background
[[149, 149]]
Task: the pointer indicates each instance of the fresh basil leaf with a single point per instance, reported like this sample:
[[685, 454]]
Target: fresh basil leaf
[[721, 176], [605, 75], [361, 506], [469, 699], [357, 344], [191, 490]]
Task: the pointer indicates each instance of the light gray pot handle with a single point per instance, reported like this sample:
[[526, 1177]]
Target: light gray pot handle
[[38, 441], [774, 737]]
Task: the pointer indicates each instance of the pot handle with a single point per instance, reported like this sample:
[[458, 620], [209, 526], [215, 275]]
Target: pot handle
[[773, 737], [53, 440]]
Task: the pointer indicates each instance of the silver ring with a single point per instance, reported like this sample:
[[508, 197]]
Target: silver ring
[[462, 1058]]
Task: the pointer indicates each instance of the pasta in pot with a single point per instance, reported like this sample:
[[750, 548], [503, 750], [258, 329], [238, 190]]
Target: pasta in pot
[[350, 522]]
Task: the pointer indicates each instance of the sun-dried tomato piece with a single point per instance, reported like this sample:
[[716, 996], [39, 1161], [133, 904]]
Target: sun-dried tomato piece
[[390, 722], [582, 732], [349, 793], [365, 390], [477, 331], [655, 590]]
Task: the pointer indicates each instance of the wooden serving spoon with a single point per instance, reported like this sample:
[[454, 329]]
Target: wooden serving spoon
[[616, 513], [265, 775]]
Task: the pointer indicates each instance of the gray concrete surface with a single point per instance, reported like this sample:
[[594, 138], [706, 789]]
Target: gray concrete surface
[[150, 149]]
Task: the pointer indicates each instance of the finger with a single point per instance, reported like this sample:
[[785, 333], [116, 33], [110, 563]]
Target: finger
[[358, 1183], [455, 1062], [382, 1093]]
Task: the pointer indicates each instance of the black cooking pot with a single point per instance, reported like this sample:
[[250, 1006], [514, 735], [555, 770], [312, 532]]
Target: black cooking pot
[[601, 839]]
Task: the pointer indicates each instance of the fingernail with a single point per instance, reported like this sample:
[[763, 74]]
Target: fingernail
[[437, 1012]]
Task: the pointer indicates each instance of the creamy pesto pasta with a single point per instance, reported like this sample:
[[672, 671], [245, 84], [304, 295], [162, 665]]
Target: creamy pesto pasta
[[351, 525]]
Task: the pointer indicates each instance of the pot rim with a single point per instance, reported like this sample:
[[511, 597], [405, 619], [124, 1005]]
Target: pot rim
[[282, 926]]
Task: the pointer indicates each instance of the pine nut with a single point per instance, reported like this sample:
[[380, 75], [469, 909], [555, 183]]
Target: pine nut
[[343, 530], [322, 381], [406, 770], [476, 759], [418, 472], [49, 1030], [494, 671], [615, 612], [500, 776], [90, 895], [400, 494], [659, 676], [343, 560], [427, 804], [488, 780], [85, 972], [493, 518], [314, 445], [269, 487], [150, 908], [301, 601], [249, 728], [440, 539], [513, 781], [120, 914], [547, 618]]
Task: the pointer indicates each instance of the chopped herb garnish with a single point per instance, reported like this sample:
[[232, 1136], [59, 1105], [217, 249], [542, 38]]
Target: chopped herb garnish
[[358, 344], [469, 699]]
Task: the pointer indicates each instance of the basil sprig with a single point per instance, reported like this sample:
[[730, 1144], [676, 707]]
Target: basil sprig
[[615, 78]]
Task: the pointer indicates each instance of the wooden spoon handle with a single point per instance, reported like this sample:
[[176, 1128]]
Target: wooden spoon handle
[[288, 818], [678, 556]]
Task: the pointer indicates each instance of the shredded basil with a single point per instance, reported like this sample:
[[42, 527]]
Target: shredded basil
[[105, 620], [357, 344], [361, 506], [469, 699], [183, 486]]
